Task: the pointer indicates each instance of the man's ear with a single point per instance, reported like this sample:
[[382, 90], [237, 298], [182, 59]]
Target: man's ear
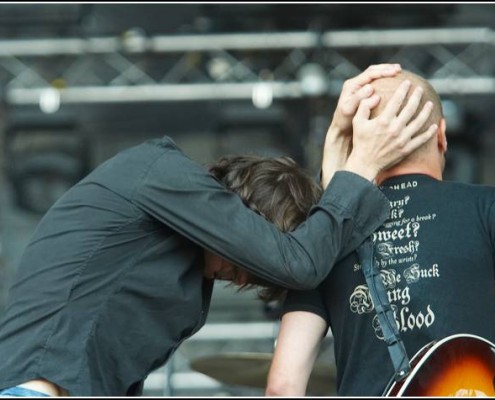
[[442, 136]]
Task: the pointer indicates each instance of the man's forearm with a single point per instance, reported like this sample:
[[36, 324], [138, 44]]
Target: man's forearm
[[335, 153]]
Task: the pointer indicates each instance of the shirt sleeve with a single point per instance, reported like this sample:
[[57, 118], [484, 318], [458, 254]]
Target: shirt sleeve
[[309, 300], [184, 195]]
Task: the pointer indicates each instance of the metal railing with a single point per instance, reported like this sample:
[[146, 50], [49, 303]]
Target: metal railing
[[133, 67]]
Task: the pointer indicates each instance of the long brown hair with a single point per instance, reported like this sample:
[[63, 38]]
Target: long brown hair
[[275, 187]]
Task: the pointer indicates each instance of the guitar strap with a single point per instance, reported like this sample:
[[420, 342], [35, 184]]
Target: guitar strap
[[384, 311]]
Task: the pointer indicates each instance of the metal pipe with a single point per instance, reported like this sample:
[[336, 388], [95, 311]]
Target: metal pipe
[[159, 92], [216, 91], [243, 41]]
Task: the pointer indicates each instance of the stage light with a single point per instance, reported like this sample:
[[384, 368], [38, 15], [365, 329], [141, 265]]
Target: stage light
[[134, 40], [262, 95], [50, 100], [219, 69], [313, 79]]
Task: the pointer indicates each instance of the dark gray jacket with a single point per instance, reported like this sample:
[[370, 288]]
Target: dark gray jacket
[[111, 282]]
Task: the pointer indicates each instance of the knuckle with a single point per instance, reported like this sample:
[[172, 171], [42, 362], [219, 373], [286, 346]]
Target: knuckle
[[393, 133], [396, 130], [347, 109], [403, 151], [382, 122], [347, 83]]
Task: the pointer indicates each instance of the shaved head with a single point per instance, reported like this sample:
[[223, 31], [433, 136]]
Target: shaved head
[[430, 157], [386, 87]]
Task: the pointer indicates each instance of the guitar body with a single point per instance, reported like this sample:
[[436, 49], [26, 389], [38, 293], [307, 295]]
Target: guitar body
[[460, 365]]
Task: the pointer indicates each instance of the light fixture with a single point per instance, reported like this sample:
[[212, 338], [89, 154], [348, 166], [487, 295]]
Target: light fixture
[[50, 100], [313, 79], [262, 96]]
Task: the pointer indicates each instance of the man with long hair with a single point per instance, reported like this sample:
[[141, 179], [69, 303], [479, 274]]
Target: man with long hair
[[120, 270]]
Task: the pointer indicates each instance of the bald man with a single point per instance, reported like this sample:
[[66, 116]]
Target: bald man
[[436, 257]]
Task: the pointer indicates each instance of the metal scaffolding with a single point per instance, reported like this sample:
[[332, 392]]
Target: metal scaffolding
[[136, 68]]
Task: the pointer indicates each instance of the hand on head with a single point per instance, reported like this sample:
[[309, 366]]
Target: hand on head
[[380, 142], [357, 89], [338, 141], [359, 143]]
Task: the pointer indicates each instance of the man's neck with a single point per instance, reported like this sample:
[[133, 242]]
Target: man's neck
[[409, 169]]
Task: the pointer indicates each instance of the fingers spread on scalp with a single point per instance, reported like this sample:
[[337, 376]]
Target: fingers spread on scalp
[[365, 91], [420, 139], [351, 104], [365, 107], [411, 107], [394, 104], [377, 71], [416, 124]]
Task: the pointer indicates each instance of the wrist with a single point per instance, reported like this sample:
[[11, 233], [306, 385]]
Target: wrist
[[338, 131], [334, 158], [356, 166]]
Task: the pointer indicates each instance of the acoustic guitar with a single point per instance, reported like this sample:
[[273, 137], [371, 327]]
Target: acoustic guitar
[[460, 365]]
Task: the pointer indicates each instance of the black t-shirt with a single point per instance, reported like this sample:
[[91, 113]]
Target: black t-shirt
[[436, 255], [112, 282]]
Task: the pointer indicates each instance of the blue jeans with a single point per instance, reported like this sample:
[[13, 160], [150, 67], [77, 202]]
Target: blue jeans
[[17, 391]]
